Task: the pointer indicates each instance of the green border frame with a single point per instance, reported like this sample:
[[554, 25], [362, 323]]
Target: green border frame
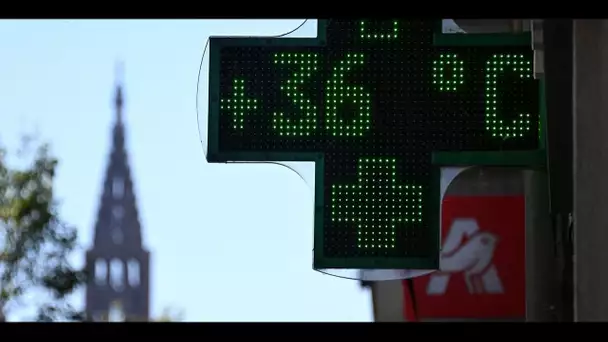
[[502, 158]]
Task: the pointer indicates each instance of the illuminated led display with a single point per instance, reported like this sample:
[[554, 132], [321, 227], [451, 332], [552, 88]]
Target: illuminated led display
[[372, 102]]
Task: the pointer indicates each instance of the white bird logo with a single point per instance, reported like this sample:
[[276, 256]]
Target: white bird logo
[[473, 258]]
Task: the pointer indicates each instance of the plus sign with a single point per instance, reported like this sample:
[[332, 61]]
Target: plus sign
[[373, 103]]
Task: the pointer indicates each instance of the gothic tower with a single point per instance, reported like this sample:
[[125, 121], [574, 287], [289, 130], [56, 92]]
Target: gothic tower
[[118, 263]]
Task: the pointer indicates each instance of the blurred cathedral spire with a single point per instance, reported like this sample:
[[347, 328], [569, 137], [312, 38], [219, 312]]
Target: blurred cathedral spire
[[118, 99], [119, 264]]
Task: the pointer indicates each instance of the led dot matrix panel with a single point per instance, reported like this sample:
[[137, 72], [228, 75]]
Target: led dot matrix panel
[[370, 101]]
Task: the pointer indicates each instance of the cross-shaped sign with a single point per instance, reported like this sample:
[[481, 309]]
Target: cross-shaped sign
[[375, 104]]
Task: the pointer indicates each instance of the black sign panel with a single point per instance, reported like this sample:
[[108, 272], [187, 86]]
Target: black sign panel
[[371, 102]]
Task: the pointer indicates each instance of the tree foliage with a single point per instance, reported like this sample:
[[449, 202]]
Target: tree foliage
[[34, 243]]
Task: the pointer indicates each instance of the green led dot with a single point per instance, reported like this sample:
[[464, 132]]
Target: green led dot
[[338, 95], [448, 62], [390, 33], [238, 105], [496, 66], [376, 205], [306, 124]]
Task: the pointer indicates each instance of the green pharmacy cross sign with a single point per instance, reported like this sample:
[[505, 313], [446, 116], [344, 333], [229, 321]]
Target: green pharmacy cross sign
[[377, 105]]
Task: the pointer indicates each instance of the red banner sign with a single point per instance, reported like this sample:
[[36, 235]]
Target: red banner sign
[[482, 263]]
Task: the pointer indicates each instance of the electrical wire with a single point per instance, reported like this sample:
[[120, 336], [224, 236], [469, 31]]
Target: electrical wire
[[200, 69]]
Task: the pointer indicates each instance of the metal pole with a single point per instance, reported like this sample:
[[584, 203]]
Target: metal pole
[[557, 46], [590, 170], [541, 270]]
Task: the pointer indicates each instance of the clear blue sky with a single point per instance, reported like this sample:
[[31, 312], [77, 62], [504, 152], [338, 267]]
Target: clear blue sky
[[229, 242]]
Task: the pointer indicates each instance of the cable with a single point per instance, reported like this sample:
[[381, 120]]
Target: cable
[[200, 68], [412, 293]]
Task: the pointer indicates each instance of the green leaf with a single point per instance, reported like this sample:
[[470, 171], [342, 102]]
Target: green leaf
[[34, 242]]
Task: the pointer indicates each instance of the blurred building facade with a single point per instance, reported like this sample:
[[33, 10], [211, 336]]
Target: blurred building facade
[[118, 263]]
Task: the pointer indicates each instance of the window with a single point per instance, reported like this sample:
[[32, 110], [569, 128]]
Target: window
[[118, 188], [101, 272], [133, 272], [117, 215], [118, 212], [450, 26], [117, 236], [116, 312], [117, 274]]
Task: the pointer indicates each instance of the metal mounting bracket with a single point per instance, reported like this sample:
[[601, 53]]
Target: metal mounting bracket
[[538, 46]]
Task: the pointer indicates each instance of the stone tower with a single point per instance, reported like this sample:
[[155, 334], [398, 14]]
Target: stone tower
[[119, 265]]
